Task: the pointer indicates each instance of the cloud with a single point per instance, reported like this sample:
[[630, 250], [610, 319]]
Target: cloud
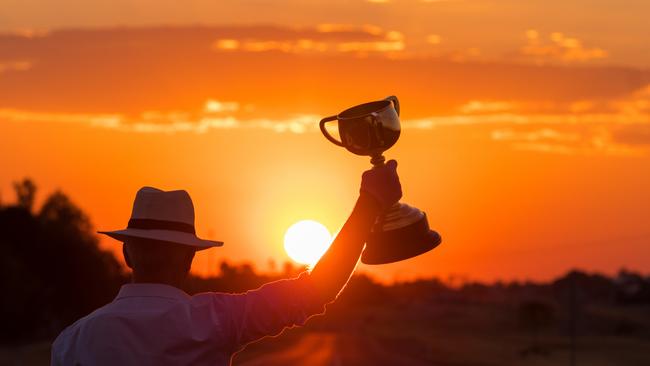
[[567, 119], [479, 106], [633, 135], [215, 106], [638, 103], [618, 133], [329, 38], [214, 116], [177, 68], [559, 47], [434, 39], [586, 140], [465, 55], [545, 148], [545, 134], [361, 47], [226, 44], [586, 134], [21, 65], [297, 46], [104, 120], [28, 33], [624, 129], [635, 105], [350, 29]]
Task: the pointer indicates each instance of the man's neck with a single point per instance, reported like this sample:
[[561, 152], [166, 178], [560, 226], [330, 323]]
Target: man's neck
[[175, 281]]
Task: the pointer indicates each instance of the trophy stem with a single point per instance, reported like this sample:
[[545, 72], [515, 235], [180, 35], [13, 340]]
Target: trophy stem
[[377, 160]]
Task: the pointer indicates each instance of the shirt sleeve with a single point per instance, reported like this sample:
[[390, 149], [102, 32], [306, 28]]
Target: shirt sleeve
[[54, 359], [268, 310]]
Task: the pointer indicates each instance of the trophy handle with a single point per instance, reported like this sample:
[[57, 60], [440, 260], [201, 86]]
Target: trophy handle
[[324, 131], [395, 101]]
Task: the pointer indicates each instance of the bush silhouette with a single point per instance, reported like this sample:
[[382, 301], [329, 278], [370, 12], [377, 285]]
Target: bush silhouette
[[533, 317]]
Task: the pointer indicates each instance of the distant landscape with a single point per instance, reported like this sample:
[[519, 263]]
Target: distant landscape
[[55, 273]]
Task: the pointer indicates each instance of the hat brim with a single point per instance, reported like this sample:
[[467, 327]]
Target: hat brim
[[176, 237]]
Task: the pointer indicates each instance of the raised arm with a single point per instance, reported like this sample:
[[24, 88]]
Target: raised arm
[[269, 309], [380, 188]]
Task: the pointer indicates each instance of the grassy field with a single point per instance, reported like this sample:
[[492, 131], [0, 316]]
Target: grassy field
[[435, 334], [451, 335]]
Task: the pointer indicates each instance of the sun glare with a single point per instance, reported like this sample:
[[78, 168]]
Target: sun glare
[[306, 241]]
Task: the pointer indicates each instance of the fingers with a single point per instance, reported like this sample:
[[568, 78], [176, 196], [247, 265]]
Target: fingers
[[382, 183], [392, 164]]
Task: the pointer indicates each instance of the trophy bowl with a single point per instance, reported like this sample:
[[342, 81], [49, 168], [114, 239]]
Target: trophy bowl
[[402, 231]]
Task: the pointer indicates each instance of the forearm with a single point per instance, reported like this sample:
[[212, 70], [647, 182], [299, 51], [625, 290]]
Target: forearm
[[333, 270]]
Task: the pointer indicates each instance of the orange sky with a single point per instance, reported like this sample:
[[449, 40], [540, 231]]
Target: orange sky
[[528, 147]]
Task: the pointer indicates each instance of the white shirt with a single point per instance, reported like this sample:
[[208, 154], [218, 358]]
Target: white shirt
[[156, 324]]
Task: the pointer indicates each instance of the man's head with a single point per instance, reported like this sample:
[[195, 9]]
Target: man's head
[[156, 261], [160, 239]]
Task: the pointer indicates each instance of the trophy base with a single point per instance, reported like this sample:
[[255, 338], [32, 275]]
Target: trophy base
[[402, 233]]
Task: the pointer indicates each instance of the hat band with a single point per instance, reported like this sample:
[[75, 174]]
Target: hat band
[[153, 224]]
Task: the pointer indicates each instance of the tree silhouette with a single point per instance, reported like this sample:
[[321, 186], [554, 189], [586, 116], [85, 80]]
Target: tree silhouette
[[52, 271], [25, 193]]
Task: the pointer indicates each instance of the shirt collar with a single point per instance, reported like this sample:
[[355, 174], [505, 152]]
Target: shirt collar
[[151, 290]]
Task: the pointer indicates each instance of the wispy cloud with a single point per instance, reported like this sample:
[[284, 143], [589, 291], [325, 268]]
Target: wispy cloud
[[545, 134], [349, 28], [481, 106], [342, 38], [611, 134], [434, 39], [622, 128], [215, 106], [527, 119], [558, 47], [20, 65], [214, 116], [103, 120], [297, 46], [28, 33], [160, 122], [638, 103], [542, 140], [590, 141], [176, 68], [624, 131], [633, 135]]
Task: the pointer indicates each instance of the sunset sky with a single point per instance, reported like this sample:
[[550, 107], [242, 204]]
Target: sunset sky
[[526, 124]]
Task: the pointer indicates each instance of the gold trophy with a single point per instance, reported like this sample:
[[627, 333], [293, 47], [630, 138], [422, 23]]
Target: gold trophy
[[402, 231]]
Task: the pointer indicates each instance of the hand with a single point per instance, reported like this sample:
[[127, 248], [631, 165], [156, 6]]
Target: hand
[[382, 183]]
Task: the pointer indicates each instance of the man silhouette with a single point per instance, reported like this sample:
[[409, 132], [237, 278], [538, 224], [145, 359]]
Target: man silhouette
[[153, 322]]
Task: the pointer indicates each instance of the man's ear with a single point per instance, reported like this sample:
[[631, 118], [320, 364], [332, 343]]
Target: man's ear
[[189, 259], [126, 256]]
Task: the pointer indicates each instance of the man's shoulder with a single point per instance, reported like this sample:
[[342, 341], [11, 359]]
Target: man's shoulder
[[74, 328], [112, 310], [70, 329], [66, 340]]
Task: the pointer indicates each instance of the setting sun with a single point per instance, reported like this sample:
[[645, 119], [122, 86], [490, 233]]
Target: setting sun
[[306, 241]]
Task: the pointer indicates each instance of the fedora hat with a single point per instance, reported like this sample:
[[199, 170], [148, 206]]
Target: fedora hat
[[163, 216]]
